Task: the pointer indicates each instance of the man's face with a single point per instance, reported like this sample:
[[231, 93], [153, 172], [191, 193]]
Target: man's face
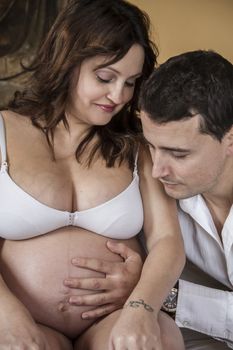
[[186, 161]]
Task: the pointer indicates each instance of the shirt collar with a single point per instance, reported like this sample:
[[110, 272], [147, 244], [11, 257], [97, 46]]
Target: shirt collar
[[196, 207]]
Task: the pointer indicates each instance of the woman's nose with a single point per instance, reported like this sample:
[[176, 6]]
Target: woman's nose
[[116, 95]]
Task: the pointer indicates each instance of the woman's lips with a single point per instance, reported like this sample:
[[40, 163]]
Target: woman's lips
[[107, 108]]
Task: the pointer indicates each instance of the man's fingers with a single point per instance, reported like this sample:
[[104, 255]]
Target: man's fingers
[[99, 312], [94, 264]]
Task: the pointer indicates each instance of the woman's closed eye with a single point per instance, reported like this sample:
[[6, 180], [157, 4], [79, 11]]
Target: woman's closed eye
[[103, 80], [130, 84], [106, 78]]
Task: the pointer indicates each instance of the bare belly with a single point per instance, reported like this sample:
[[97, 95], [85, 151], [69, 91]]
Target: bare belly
[[35, 269]]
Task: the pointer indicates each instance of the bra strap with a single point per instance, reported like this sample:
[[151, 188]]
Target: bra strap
[[135, 171], [3, 144]]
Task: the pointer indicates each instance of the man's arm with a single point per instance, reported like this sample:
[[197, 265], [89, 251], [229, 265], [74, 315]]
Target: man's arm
[[206, 310]]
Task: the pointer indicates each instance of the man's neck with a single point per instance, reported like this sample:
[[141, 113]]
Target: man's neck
[[220, 198], [219, 211]]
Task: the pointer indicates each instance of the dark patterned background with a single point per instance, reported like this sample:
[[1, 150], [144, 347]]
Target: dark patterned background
[[23, 25]]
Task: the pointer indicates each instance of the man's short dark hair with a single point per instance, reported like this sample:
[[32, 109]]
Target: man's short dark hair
[[193, 82]]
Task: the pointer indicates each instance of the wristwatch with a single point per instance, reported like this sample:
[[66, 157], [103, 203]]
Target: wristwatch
[[170, 303]]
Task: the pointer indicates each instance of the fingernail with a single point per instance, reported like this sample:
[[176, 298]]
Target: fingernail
[[67, 282], [85, 316], [75, 261], [74, 301]]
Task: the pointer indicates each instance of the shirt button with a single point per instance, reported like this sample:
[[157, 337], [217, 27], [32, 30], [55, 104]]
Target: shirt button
[[185, 323]]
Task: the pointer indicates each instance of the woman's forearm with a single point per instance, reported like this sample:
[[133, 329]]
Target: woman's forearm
[[161, 269]]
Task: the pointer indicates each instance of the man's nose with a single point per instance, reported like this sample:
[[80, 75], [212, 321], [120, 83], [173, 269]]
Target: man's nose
[[160, 167]]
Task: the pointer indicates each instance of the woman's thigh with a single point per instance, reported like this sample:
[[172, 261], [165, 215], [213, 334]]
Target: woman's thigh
[[55, 339], [97, 336], [171, 336]]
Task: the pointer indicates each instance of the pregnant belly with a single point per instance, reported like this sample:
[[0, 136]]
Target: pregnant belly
[[34, 270]]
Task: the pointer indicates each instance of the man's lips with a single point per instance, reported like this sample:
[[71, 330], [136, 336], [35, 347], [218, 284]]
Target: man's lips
[[168, 183]]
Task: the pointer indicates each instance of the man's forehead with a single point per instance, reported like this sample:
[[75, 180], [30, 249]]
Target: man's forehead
[[189, 123], [193, 116], [173, 134]]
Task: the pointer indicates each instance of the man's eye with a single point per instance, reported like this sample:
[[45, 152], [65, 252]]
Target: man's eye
[[179, 155]]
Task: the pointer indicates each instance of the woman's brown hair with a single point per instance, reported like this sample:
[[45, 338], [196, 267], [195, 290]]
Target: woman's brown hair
[[86, 28]]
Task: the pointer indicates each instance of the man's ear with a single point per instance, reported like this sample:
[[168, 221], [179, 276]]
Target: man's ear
[[229, 140]]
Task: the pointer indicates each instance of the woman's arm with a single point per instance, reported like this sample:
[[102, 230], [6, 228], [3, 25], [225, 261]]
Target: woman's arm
[[161, 268], [18, 329], [163, 238]]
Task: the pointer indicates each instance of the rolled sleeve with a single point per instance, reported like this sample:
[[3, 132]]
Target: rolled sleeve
[[206, 310]]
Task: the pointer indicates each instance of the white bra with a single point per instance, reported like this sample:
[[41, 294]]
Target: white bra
[[22, 216]]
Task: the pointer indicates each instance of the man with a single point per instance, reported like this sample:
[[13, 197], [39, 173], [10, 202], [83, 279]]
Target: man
[[187, 119]]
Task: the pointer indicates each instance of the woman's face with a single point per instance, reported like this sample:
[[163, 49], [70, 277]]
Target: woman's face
[[97, 94]]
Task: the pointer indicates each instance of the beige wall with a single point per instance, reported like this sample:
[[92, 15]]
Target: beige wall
[[183, 25]]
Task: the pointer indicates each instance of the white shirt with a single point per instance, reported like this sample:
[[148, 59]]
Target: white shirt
[[201, 308]]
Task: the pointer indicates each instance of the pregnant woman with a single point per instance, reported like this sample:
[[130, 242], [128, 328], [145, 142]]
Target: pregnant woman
[[74, 175]]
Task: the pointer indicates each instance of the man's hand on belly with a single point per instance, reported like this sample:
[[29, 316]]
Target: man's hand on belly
[[111, 292]]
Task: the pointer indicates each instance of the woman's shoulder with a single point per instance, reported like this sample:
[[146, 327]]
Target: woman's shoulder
[[16, 126], [19, 134], [144, 157], [7, 113], [13, 119]]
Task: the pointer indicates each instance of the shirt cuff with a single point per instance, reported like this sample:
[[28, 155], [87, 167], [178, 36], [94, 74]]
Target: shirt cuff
[[206, 310]]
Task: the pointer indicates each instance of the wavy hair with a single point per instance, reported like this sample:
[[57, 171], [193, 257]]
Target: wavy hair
[[84, 29]]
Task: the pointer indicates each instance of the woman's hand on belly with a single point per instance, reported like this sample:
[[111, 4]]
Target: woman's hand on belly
[[111, 292]]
